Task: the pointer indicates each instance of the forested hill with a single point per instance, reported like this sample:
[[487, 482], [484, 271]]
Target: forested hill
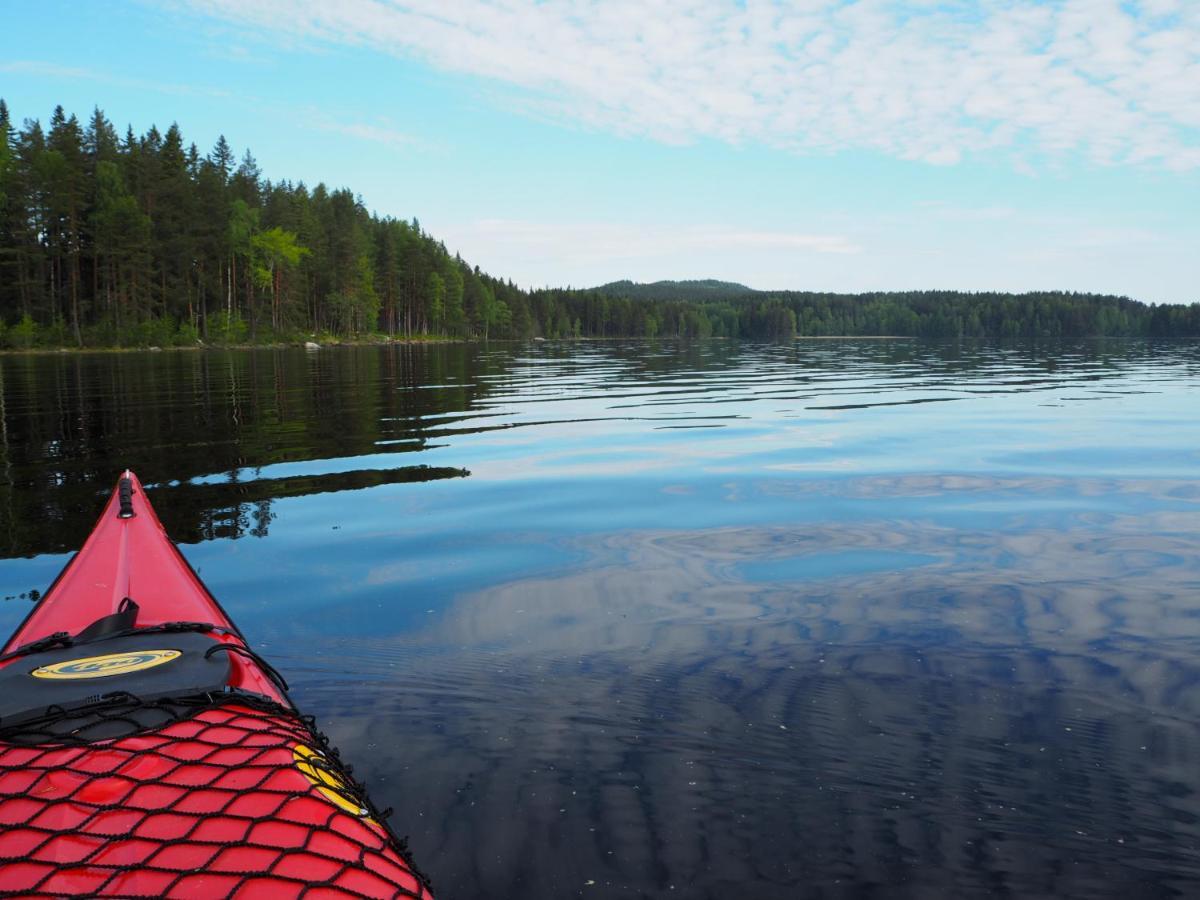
[[126, 239], [701, 290]]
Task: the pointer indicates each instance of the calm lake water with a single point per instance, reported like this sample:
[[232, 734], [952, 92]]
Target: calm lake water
[[831, 619]]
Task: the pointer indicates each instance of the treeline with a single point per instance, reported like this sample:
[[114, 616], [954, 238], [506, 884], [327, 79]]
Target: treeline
[[109, 239], [936, 314], [731, 308]]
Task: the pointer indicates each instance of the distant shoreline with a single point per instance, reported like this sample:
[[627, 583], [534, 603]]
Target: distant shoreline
[[201, 348], [412, 342], [860, 337]]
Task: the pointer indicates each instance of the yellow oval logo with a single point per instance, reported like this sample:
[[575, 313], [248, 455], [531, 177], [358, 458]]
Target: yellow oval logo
[[104, 666], [316, 769]]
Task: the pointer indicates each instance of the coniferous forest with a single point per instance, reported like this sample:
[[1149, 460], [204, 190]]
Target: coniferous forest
[[111, 239]]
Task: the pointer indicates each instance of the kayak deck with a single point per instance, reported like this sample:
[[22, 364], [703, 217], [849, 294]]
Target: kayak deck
[[147, 754], [128, 554]]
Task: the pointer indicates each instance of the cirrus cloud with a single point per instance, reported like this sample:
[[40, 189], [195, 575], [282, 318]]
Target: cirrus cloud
[[1118, 82]]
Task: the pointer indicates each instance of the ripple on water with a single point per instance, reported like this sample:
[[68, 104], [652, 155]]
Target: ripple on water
[[827, 618]]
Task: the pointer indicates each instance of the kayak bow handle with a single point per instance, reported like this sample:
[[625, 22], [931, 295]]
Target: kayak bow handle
[[125, 494]]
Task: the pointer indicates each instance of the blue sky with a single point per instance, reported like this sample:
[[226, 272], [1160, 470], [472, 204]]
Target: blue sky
[[994, 144]]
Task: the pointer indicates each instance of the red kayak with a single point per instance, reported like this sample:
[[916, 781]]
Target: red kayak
[[147, 751]]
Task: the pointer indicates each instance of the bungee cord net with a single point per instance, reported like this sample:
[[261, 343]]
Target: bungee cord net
[[224, 794]]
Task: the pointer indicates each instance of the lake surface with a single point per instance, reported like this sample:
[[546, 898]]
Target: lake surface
[[830, 619]]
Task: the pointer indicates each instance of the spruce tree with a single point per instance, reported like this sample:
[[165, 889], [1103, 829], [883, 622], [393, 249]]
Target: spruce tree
[[222, 158]]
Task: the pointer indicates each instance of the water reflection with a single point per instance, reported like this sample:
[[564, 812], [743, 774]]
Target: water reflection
[[1012, 719], [225, 507], [176, 417], [715, 620]]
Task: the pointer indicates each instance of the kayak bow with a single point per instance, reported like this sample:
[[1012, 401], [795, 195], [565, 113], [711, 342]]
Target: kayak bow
[[147, 750]]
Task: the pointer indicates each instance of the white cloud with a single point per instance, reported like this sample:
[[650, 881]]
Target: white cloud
[[1117, 81], [42, 69], [581, 243], [380, 132]]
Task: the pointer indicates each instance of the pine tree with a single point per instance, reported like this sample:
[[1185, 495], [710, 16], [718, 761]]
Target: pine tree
[[455, 315], [247, 181], [123, 239], [222, 159], [10, 199], [65, 169], [100, 139], [174, 229], [437, 300]]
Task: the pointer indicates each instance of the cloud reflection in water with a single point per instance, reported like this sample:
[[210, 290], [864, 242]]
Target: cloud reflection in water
[[1017, 716]]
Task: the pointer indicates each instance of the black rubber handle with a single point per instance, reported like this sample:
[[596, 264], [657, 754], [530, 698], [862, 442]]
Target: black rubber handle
[[125, 493]]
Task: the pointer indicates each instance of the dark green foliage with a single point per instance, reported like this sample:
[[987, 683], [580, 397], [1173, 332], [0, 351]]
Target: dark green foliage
[[934, 314], [143, 241], [705, 289]]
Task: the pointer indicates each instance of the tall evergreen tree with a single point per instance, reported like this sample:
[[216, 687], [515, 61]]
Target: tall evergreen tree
[[10, 201], [222, 159], [65, 172]]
